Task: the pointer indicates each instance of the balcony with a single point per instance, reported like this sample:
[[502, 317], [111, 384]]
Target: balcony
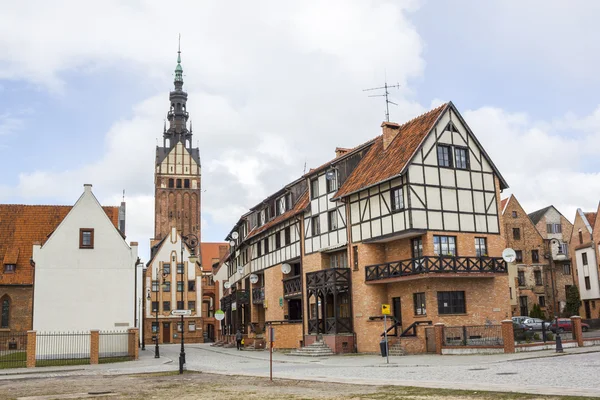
[[292, 287], [258, 295], [435, 265], [226, 303]]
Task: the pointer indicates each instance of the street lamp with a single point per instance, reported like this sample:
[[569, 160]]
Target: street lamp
[[191, 241]]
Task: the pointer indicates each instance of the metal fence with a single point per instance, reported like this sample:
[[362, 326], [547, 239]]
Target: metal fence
[[114, 346], [70, 348], [13, 349], [480, 335]]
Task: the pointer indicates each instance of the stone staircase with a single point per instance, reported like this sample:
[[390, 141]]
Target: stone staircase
[[396, 350], [317, 349]]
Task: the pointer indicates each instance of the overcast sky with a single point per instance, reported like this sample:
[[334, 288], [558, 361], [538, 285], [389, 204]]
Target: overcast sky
[[275, 85]]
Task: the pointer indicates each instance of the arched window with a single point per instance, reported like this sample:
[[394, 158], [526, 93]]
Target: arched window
[[5, 312], [171, 182]]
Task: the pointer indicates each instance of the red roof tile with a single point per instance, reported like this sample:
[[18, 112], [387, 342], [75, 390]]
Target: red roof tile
[[212, 252], [23, 225], [591, 217], [346, 154], [379, 165], [301, 204]]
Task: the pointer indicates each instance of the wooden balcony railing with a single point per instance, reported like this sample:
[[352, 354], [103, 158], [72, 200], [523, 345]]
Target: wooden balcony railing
[[435, 264], [292, 287]]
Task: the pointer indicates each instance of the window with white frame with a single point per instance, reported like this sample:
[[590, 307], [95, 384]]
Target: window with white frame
[[461, 156], [332, 220], [397, 199], [444, 245], [338, 260]]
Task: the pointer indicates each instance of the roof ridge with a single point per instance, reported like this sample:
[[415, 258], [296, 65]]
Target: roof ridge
[[423, 114]]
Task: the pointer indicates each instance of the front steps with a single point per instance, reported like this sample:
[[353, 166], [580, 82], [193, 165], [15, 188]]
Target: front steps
[[396, 350], [317, 349]]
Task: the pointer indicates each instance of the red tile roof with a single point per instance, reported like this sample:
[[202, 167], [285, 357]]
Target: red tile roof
[[591, 217], [379, 165], [301, 204], [212, 252], [23, 225], [346, 154], [503, 204]]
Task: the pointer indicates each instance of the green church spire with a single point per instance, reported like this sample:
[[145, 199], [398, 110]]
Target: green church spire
[[178, 68]]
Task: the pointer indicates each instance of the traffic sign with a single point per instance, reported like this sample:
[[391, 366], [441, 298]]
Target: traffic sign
[[219, 315], [385, 309], [181, 312]]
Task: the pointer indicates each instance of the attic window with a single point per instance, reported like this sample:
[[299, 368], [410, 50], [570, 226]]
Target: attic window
[[9, 268], [86, 238]]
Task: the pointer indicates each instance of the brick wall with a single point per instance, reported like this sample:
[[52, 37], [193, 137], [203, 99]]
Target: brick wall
[[274, 292], [20, 315], [287, 336]]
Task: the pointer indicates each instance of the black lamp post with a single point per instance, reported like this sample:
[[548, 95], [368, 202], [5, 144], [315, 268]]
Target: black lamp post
[[159, 274], [191, 241]]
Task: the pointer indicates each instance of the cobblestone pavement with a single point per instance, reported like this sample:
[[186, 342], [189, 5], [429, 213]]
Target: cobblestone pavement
[[544, 372], [569, 374]]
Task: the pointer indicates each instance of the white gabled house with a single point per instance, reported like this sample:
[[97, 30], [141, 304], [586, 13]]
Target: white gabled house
[[85, 273]]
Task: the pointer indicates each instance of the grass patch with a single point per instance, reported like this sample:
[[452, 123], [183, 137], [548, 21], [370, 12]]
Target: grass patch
[[410, 392], [62, 363], [108, 360], [17, 359]]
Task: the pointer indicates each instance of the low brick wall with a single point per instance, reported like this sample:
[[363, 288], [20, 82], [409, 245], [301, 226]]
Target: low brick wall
[[566, 344], [287, 336], [591, 342], [460, 350], [339, 344]]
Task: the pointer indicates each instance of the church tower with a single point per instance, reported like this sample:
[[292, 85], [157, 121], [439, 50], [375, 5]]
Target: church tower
[[177, 175]]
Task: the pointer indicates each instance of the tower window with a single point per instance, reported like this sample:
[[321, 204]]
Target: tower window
[[178, 183], [178, 106], [86, 238], [186, 183], [171, 182]]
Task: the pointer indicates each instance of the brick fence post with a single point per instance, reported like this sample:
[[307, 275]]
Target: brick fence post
[[577, 330], [31, 341], [439, 337], [133, 350], [94, 346], [508, 336]]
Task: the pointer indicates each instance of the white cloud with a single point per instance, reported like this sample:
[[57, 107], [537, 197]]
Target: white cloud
[[272, 85], [541, 163]]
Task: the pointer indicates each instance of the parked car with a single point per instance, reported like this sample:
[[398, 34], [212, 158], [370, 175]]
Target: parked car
[[522, 331], [565, 325], [537, 324], [519, 320]]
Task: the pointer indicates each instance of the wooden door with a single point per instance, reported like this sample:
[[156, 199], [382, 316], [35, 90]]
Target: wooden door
[[430, 340], [166, 332]]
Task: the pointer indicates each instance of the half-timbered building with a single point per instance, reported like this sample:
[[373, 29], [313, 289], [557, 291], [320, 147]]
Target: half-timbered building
[[410, 218]]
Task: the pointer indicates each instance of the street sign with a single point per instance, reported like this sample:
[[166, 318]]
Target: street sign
[[385, 309], [219, 315], [227, 285], [509, 255], [234, 306], [181, 312], [253, 278]]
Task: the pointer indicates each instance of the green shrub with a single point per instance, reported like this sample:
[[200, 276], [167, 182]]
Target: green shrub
[[536, 336], [536, 312], [549, 336], [573, 301]]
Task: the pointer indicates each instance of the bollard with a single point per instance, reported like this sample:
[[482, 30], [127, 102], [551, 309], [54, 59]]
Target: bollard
[[559, 348]]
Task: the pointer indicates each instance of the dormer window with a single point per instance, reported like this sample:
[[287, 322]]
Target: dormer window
[[314, 188], [263, 217], [281, 206], [9, 268], [331, 178]]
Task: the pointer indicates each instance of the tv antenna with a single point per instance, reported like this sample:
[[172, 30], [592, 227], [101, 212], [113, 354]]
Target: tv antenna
[[385, 94]]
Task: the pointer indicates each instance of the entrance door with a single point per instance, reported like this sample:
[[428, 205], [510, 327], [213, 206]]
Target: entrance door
[[166, 332], [430, 340], [523, 306], [397, 310], [588, 312]]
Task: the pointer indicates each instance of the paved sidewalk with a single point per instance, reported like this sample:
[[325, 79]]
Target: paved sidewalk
[[544, 373]]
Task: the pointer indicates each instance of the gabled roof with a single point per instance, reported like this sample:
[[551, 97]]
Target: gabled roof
[[591, 217], [537, 215], [300, 205], [23, 225], [379, 165], [212, 251], [503, 203], [349, 153]]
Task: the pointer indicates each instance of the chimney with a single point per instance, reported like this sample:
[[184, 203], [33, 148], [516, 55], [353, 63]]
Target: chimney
[[87, 187], [122, 218], [340, 151], [390, 130]]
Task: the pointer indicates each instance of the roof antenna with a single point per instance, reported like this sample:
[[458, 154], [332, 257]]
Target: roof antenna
[[304, 173], [123, 194], [385, 94]]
